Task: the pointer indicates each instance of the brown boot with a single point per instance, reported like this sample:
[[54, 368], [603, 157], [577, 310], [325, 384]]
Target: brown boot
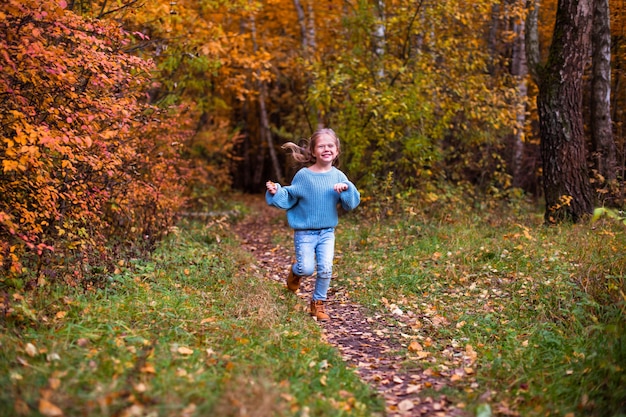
[[293, 281], [317, 310]]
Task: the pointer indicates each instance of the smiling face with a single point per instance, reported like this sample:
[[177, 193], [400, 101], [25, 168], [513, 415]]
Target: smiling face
[[325, 150]]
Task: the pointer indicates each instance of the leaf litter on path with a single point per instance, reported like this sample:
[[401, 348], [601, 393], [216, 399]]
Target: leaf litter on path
[[369, 343]]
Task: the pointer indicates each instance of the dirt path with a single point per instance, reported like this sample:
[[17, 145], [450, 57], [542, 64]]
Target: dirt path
[[368, 343]]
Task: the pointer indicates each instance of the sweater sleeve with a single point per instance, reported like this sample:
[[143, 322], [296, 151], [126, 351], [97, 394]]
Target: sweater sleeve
[[282, 199], [350, 198]]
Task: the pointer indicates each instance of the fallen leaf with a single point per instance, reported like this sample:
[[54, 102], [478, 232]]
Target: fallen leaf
[[22, 361], [415, 346], [406, 405], [287, 397], [470, 354], [134, 410], [422, 354], [413, 388], [55, 383], [185, 350], [48, 409], [31, 350], [148, 369], [140, 387], [397, 311], [439, 320]]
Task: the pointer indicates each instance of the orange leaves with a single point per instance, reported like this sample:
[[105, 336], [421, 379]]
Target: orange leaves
[[8, 165], [77, 139], [48, 409]]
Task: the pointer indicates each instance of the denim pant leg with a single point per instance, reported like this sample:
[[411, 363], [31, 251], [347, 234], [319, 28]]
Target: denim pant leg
[[325, 253], [305, 242]]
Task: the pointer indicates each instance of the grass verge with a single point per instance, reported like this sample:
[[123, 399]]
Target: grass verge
[[538, 314], [190, 332]]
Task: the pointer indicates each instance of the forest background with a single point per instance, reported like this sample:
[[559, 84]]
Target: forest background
[[119, 116]]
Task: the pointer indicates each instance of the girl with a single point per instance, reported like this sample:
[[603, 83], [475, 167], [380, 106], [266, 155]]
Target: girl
[[311, 203]]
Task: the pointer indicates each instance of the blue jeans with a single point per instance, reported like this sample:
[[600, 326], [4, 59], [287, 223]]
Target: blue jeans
[[312, 246]]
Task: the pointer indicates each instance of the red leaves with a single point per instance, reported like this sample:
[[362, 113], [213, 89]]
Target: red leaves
[[79, 139]]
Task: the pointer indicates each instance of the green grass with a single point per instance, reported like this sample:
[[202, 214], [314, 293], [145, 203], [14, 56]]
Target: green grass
[[543, 308], [190, 332], [534, 316]]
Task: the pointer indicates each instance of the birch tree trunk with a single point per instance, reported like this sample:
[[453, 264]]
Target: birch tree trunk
[[601, 122], [567, 189], [379, 36], [308, 42], [311, 27], [303, 27]]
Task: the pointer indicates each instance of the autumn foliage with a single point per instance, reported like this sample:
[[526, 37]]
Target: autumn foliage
[[87, 163], [115, 115]]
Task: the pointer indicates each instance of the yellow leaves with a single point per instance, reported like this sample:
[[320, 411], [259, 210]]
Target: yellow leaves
[[431, 197]]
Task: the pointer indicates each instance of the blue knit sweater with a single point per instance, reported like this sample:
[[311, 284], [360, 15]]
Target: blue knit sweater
[[310, 200]]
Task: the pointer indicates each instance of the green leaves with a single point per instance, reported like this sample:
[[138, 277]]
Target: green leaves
[[600, 212]]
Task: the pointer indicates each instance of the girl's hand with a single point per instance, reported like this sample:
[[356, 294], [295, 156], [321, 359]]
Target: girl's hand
[[340, 186], [271, 187]]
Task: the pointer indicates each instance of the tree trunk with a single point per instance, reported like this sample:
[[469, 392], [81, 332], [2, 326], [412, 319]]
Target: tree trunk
[[264, 128], [379, 36], [311, 27], [601, 123], [519, 70], [302, 23], [566, 182], [309, 44]]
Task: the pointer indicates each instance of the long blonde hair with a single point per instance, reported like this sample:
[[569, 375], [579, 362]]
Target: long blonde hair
[[303, 154]]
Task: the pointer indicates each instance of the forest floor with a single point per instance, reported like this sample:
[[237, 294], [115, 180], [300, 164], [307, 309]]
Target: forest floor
[[368, 342]]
